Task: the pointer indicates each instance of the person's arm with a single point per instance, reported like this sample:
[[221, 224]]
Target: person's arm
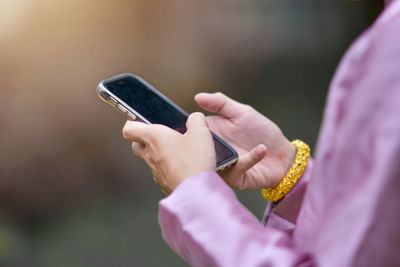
[[203, 221]]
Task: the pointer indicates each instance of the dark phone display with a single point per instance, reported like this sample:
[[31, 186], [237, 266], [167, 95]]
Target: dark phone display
[[156, 110]]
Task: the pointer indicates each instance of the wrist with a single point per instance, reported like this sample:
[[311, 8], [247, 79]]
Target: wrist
[[178, 175], [295, 172], [291, 152]]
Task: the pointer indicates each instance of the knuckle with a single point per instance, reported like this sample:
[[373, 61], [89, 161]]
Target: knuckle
[[219, 94], [197, 115], [155, 133], [136, 148], [126, 132], [247, 108], [152, 139]]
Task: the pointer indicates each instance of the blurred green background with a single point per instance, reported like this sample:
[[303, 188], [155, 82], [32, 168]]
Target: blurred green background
[[71, 192]]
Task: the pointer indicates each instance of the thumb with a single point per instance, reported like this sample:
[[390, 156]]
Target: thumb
[[196, 120], [248, 160], [220, 103]]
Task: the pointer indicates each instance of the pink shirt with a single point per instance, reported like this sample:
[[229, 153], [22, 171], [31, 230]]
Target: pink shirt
[[345, 210]]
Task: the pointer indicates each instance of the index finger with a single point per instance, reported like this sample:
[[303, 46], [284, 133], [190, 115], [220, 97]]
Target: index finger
[[135, 131], [220, 103]]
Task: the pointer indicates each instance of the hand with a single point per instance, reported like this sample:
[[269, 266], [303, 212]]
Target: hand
[[265, 155], [172, 156]]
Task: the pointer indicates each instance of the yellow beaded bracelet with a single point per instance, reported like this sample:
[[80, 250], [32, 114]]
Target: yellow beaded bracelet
[[295, 172]]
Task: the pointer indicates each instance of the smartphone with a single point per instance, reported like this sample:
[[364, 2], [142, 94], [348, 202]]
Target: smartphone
[[138, 100]]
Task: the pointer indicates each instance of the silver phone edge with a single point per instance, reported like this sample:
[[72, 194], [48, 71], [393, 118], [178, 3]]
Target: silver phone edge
[[226, 165], [102, 89]]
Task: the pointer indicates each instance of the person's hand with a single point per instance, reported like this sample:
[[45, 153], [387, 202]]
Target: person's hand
[[265, 155], [172, 156]]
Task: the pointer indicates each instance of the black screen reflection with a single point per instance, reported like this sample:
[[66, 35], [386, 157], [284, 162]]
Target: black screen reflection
[[155, 109]]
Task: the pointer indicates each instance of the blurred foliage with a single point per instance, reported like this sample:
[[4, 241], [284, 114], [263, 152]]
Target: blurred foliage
[[71, 192]]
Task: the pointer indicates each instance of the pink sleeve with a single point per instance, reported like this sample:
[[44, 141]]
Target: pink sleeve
[[203, 221], [283, 214]]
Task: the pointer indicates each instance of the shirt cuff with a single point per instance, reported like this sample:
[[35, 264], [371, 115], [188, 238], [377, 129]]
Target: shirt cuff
[[288, 208]]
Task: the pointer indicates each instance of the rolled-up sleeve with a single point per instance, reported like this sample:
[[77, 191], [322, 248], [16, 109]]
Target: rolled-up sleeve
[[203, 221]]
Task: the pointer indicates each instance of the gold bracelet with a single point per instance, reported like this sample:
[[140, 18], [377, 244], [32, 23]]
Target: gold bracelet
[[295, 172]]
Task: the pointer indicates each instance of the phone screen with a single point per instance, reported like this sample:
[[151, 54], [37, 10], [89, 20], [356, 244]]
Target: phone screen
[[157, 110]]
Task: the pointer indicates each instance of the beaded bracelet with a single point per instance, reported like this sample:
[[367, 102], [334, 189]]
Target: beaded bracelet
[[295, 172]]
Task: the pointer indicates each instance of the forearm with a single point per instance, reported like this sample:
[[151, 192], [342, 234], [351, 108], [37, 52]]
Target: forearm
[[204, 223]]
